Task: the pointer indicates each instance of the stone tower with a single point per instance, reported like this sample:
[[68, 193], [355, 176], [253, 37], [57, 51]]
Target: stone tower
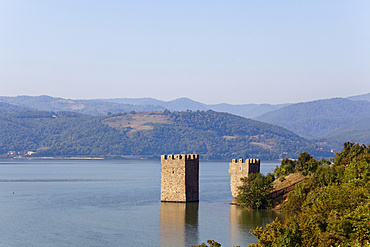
[[240, 170], [180, 178]]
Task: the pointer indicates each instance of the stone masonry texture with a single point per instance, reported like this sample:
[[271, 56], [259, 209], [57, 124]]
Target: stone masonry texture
[[180, 178]]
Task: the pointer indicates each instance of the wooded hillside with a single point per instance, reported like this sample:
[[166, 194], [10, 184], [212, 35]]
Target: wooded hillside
[[318, 118], [211, 134]]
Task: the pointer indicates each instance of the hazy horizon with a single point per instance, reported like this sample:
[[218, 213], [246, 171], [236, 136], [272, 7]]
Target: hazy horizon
[[211, 51], [176, 99]]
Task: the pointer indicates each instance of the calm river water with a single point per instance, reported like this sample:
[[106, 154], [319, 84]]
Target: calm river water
[[116, 203]]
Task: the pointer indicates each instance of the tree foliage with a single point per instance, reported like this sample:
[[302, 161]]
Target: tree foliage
[[286, 167], [213, 135], [318, 118], [255, 191], [331, 208], [211, 243]]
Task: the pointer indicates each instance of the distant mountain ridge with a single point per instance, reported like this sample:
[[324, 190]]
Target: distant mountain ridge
[[357, 131], [6, 107], [360, 97], [322, 118], [89, 107], [100, 107], [183, 104]]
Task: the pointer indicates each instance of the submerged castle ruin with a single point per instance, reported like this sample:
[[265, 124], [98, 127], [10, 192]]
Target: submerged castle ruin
[[180, 178], [240, 169]]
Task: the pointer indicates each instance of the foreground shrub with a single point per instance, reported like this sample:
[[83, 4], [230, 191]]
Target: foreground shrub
[[255, 191], [331, 208]]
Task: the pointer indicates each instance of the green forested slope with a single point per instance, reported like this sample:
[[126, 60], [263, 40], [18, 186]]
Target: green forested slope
[[90, 107], [357, 131], [360, 97], [318, 118], [100, 107], [328, 208], [211, 134], [5, 107], [56, 134]]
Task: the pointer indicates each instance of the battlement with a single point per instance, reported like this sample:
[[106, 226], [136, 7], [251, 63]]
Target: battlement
[[247, 161], [180, 157]]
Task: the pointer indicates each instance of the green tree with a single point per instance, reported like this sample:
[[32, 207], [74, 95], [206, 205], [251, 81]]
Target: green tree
[[211, 243], [255, 191], [302, 161], [287, 166], [350, 152], [328, 175], [331, 208], [266, 237], [312, 166], [358, 172]]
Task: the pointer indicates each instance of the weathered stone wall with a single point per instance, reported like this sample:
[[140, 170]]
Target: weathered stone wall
[[240, 169], [180, 178]]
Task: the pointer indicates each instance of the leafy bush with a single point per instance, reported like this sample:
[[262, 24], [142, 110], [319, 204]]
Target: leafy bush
[[211, 243], [287, 166], [331, 208], [255, 191]]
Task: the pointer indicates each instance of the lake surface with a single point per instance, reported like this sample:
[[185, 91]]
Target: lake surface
[[117, 203]]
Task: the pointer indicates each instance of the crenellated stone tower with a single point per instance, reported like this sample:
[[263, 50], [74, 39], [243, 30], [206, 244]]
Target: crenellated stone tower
[[180, 178], [240, 170]]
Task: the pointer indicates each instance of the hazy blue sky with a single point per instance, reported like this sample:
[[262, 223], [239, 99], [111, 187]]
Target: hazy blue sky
[[211, 51]]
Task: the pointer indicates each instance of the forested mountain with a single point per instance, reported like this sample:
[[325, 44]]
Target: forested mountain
[[248, 110], [101, 107], [90, 107], [357, 131], [183, 104], [360, 97], [331, 120], [211, 134], [5, 107], [318, 118]]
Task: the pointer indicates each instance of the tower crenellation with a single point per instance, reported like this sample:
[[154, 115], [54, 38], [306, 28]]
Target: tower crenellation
[[180, 157]]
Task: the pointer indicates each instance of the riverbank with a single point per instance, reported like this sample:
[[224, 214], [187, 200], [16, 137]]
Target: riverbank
[[128, 157]]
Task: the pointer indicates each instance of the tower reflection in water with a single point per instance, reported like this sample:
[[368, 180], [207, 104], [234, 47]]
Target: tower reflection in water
[[179, 224], [243, 219]]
